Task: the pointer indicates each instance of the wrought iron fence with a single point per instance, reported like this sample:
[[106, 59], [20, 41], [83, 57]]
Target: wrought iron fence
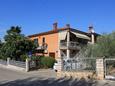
[[82, 64], [32, 64]]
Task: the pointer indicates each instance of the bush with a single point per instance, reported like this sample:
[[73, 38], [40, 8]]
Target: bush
[[43, 62], [47, 62], [24, 57]]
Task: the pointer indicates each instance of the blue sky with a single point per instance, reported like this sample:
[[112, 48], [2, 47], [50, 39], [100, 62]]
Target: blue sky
[[36, 16]]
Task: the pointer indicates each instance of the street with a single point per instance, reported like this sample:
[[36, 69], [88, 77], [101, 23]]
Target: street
[[44, 78]]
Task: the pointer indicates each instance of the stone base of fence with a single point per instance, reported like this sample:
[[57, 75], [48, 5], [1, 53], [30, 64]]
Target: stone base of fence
[[86, 75]]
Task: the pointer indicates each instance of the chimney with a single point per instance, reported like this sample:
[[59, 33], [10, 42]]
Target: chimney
[[67, 25], [55, 26], [91, 30]]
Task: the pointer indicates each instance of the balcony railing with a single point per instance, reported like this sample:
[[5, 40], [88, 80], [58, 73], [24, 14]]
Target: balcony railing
[[42, 47], [71, 45]]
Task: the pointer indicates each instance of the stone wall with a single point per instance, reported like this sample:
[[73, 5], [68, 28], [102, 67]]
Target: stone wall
[[77, 74]]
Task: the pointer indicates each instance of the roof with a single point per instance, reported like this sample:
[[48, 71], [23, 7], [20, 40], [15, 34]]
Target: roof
[[48, 32], [61, 29]]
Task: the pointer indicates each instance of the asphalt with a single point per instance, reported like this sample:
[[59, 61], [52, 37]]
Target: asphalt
[[44, 77]]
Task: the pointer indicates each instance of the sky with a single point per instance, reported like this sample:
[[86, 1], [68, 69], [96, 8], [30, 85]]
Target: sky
[[35, 16]]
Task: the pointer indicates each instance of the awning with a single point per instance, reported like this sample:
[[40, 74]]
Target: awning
[[62, 35], [81, 35]]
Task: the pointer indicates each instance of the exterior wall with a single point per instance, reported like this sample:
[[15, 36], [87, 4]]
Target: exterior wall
[[52, 42]]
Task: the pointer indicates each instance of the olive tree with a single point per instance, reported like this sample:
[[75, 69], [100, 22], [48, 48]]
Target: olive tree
[[104, 47]]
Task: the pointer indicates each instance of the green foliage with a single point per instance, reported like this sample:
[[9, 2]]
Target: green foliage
[[16, 45], [24, 57], [47, 62], [105, 46], [43, 61], [0, 43], [35, 57]]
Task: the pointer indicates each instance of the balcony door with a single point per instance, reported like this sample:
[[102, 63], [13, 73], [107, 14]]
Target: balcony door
[[52, 54]]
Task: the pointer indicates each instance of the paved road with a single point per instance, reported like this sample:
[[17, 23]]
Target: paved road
[[44, 78], [7, 75]]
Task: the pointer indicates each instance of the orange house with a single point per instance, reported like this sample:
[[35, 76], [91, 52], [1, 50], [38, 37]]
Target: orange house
[[47, 43], [62, 41]]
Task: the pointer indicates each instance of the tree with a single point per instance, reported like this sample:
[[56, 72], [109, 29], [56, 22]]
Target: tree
[[16, 44], [0, 43], [104, 47]]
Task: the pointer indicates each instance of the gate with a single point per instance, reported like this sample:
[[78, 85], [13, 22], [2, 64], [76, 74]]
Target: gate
[[32, 64], [109, 68]]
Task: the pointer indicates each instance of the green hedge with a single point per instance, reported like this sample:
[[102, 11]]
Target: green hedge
[[46, 62], [43, 61]]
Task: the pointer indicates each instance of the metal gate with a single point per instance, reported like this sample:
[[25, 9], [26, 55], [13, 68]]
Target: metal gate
[[109, 68]]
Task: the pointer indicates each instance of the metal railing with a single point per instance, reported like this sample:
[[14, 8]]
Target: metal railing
[[83, 64], [70, 45], [17, 63], [3, 62], [43, 46], [110, 67]]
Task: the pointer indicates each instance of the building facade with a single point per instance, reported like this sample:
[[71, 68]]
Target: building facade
[[60, 42]]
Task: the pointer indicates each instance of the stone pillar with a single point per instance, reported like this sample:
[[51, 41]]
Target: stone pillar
[[27, 65], [8, 61], [58, 67], [68, 40], [100, 68]]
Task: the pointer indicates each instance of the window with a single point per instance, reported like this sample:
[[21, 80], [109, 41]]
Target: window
[[43, 40], [36, 41]]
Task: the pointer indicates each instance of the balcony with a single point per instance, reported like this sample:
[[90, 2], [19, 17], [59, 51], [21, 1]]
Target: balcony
[[70, 45], [42, 47]]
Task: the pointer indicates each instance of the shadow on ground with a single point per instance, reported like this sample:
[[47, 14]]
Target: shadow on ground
[[50, 82]]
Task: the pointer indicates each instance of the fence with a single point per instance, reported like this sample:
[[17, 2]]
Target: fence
[[83, 64], [3, 62], [32, 65], [109, 68], [18, 65], [81, 67]]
